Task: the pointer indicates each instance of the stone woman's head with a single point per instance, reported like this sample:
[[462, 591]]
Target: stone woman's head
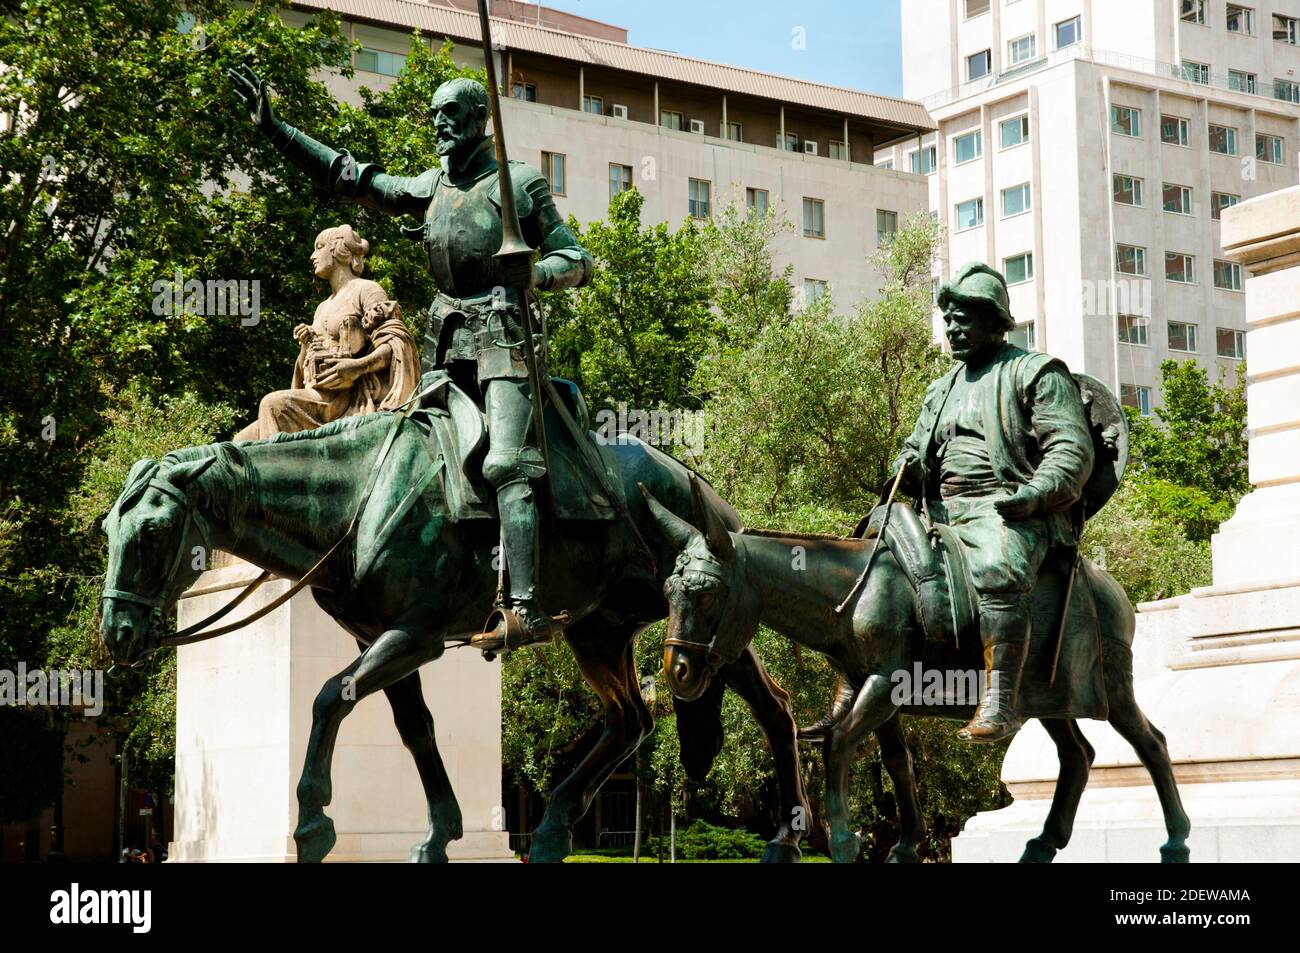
[[339, 247]]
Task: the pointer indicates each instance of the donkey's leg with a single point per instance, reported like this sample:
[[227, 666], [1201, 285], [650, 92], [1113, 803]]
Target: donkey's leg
[[415, 725], [872, 708], [393, 656], [898, 762], [1152, 751], [605, 659], [1075, 756], [770, 704]]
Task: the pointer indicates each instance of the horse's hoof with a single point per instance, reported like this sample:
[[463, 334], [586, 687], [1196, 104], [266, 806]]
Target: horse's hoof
[[550, 847], [781, 852], [427, 854], [1175, 855], [845, 848], [315, 839], [898, 854], [1036, 852]]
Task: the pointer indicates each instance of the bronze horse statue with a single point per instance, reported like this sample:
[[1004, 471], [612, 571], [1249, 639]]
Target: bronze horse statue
[[413, 580], [726, 583]]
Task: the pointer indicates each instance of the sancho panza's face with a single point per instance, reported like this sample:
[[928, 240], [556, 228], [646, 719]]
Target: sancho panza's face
[[460, 113], [972, 335]]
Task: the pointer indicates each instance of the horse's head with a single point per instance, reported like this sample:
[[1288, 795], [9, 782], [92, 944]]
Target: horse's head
[[705, 631], [151, 530]]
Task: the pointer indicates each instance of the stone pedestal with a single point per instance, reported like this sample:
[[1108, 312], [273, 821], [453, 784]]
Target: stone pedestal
[[243, 715], [1217, 670]]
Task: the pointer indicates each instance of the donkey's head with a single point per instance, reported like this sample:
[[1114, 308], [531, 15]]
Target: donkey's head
[[152, 531], [708, 618]]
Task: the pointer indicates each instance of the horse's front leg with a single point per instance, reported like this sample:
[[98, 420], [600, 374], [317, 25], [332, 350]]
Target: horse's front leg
[[770, 704], [391, 657], [415, 724], [871, 709], [605, 658]]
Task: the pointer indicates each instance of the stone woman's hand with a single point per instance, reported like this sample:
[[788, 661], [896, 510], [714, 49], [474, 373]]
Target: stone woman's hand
[[303, 334], [340, 375]]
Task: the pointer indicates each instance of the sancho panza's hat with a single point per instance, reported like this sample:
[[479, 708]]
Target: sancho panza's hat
[[978, 284]]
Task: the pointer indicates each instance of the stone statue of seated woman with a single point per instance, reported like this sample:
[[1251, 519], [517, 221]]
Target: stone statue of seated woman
[[356, 357]]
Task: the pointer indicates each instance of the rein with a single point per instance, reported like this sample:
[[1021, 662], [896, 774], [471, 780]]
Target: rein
[[711, 567]]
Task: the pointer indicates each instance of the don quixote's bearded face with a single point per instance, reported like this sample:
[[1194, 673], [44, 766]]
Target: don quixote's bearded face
[[460, 114]]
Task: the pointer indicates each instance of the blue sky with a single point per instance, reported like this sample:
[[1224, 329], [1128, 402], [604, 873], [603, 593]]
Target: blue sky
[[854, 43]]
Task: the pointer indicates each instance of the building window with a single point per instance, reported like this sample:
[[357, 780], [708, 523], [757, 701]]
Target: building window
[[837, 150], [1015, 131], [1241, 19], [1287, 90], [1068, 32], [525, 91], [925, 161], [553, 169], [1131, 329], [1017, 200], [1286, 29], [1180, 267], [1269, 149], [967, 148], [670, 119], [1173, 130], [1221, 200], [814, 218], [976, 7], [970, 214], [380, 61], [1128, 190], [1242, 82], [1024, 336], [887, 164], [1126, 121], [594, 105], [1022, 49], [1230, 343], [1227, 275], [735, 132], [1182, 336], [886, 225], [1132, 395], [1130, 260], [1193, 11], [1223, 140], [1178, 199], [814, 289], [756, 202], [979, 64], [620, 179], [1196, 72], [1018, 269], [701, 198], [790, 142]]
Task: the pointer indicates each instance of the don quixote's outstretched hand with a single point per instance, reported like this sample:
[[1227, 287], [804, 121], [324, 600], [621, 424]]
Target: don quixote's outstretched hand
[[252, 89]]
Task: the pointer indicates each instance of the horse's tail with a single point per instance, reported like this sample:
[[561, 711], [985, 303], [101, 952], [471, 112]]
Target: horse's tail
[[699, 730]]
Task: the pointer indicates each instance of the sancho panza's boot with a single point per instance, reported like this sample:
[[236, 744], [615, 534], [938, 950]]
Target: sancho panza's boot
[[523, 622], [1006, 645]]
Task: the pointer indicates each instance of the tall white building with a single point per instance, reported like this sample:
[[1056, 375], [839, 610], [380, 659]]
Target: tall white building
[[1086, 148]]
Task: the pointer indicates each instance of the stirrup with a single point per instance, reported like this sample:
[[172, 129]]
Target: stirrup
[[504, 630]]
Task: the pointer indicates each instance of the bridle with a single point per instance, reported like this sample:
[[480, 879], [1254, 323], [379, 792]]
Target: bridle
[[709, 565]]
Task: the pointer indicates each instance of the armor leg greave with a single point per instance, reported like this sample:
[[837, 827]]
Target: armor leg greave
[[1004, 625]]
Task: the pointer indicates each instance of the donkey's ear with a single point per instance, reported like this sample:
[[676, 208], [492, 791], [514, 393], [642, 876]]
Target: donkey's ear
[[183, 474], [715, 531], [675, 529]]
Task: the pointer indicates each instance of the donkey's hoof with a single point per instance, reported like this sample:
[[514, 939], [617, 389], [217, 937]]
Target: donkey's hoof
[[427, 854], [1175, 855], [550, 847], [1037, 852], [781, 852], [315, 839], [900, 854], [845, 848]]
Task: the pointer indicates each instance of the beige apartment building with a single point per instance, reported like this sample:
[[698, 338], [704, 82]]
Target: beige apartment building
[[1087, 147], [598, 116]]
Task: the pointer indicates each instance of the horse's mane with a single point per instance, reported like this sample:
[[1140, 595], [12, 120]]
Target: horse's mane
[[327, 430]]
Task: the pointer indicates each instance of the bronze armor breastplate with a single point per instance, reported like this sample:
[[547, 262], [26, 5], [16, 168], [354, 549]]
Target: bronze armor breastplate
[[462, 234]]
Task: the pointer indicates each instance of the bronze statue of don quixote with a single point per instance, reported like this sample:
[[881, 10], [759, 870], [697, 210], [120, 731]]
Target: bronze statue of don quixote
[[385, 492]]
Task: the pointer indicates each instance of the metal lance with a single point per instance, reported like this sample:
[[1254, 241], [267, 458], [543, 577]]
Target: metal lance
[[514, 252]]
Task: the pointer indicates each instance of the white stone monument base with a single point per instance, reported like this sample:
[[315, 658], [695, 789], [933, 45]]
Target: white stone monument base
[[243, 716]]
